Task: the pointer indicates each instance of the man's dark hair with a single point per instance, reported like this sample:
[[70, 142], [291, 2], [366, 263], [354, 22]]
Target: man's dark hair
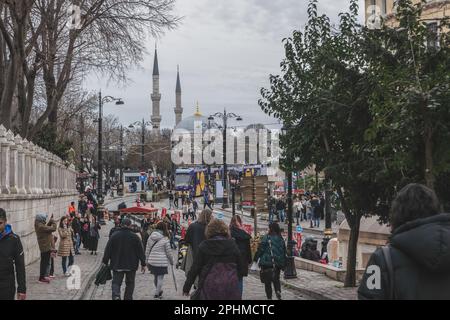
[[2, 214], [415, 201], [274, 229], [126, 222]]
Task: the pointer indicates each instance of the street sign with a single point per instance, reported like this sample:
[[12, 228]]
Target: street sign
[[220, 216], [142, 178], [299, 229]]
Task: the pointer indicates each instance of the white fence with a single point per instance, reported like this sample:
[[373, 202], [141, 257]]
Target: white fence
[[32, 181]]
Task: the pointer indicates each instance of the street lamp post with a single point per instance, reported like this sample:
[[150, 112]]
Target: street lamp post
[[290, 272], [225, 116], [143, 125], [101, 101]]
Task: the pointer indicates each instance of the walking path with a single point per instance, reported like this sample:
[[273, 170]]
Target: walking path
[[308, 285], [65, 288]]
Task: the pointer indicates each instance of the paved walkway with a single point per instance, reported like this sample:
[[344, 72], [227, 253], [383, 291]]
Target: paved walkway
[[308, 285], [62, 287]]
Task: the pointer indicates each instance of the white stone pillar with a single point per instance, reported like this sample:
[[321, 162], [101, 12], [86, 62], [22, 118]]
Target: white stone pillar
[[41, 176], [20, 165], [27, 172], [13, 165], [46, 171], [33, 173], [4, 161]]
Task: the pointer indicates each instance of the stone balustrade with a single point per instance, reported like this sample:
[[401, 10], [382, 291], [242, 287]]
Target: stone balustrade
[[32, 181]]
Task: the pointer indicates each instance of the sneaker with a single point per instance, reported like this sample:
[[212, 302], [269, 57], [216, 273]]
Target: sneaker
[[160, 294], [67, 274], [278, 295], [51, 277], [44, 280]]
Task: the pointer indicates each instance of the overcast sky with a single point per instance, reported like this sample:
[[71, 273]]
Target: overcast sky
[[226, 50]]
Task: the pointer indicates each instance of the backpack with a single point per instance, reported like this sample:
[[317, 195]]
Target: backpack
[[220, 282]]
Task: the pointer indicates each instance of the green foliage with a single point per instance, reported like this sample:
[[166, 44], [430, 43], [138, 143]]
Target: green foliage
[[47, 139]]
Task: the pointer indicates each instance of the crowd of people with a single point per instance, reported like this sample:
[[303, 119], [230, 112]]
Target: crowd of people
[[308, 207], [219, 255]]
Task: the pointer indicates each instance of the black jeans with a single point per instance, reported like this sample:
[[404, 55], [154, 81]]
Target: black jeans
[[276, 283], [7, 292], [45, 262], [117, 284]]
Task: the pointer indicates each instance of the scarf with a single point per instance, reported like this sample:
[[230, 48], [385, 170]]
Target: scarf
[[6, 232]]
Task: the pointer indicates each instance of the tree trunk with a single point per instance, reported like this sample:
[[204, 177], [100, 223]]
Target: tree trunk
[[428, 141], [350, 277]]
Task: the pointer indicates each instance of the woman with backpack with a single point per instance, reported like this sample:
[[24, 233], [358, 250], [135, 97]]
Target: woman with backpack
[[242, 239], [218, 265], [159, 256], [271, 254]]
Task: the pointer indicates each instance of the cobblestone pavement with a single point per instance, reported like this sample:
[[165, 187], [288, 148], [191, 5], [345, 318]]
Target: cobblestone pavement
[[308, 285], [88, 265]]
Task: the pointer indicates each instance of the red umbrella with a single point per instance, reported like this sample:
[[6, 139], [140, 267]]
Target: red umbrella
[[138, 210]]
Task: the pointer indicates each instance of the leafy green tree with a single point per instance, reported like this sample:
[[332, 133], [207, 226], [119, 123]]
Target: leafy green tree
[[322, 95], [408, 66]]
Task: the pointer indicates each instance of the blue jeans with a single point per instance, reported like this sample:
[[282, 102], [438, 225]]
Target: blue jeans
[[241, 285], [316, 222], [77, 243], [64, 263], [271, 214], [281, 215]]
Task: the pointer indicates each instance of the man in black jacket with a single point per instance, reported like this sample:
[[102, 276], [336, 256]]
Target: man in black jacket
[[416, 264], [124, 249], [11, 257]]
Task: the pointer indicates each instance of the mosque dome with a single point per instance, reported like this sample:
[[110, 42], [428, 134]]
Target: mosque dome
[[198, 119]]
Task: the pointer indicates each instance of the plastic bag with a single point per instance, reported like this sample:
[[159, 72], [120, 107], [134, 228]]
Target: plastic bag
[[254, 267]]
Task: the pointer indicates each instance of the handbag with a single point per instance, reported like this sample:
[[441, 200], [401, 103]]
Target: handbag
[[267, 274]]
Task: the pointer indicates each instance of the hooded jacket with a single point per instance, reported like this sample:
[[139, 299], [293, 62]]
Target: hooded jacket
[[420, 254], [265, 253], [11, 258], [242, 239], [211, 252], [124, 249], [44, 232], [158, 251]]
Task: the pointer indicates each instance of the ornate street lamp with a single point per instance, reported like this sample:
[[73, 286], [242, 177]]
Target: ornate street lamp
[[225, 116]]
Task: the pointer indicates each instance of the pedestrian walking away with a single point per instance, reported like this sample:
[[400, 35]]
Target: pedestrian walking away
[[159, 256], [12, 262], [218, 265], [242, 239], [44, 237], [271, 254], [124, 252]]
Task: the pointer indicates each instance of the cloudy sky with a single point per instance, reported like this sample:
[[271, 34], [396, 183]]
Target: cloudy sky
[[226, 50]]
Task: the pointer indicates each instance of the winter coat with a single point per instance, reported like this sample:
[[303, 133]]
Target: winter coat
[[158, 251], [44, 234], [264, 254], [76, 226], [124, 249], [242, 239], [94, 230], [12, 261], [420, 255], [195, 234], [65, 248], [217, 264]]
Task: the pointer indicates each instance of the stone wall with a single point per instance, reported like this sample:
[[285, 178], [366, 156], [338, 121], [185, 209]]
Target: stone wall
[[32, 181]]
